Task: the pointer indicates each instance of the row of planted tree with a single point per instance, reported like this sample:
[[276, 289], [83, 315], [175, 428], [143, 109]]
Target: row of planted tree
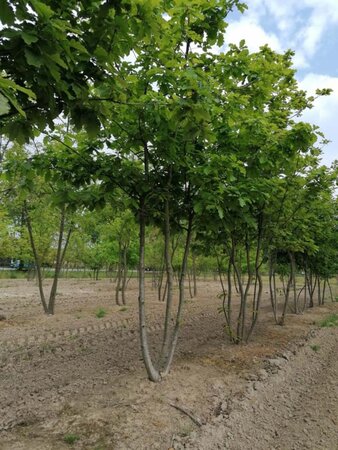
[[294, 234], [142, 117]]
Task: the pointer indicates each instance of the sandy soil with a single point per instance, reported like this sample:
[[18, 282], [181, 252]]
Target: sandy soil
[[75, 374]]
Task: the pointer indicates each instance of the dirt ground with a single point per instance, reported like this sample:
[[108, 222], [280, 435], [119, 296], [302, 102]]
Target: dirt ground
[[77, 377]]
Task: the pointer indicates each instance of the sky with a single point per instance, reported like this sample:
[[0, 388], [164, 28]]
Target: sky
[[310, 28]]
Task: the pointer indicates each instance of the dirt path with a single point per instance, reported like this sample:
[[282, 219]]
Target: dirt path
[[294, 409], [75, 374]]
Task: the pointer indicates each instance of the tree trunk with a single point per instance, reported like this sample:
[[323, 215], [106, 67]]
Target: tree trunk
[[194, 274], [118, 277], [319, 291], [169, 274], [258, 279], [227, 298], [287, 296], [125, 273], [153, 373], [272, 286], [294, 285], [59, 260], [324, 290], [190, 285], [36, 260], [330, 289], [160, 283], [243, 291], [60, 255], [171, 349]]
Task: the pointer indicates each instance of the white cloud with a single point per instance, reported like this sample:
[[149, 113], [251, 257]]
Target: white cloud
[[300, 61], [300, 25], [324, 113], [254, 35], [311, 34]]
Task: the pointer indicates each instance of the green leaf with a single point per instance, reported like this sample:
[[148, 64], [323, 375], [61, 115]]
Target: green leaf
[[14, 102], [220, 212], [53, 69], [241, 202], [56, 58], [42, 9], [93, 127], [5, 83], [76, 44], [32, 58], [6, 13], [28, 37], [4, 105], [201, 113]]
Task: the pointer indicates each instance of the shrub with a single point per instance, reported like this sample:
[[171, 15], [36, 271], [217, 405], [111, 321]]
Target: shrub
[[101, 312]]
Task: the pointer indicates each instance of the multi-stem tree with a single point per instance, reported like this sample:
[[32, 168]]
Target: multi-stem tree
[[160, 131], [257, 143], [45, 212]]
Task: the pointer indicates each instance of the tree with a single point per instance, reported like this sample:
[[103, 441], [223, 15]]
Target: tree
[[54, 54], [158, 136], [257, 143], [45, 211]]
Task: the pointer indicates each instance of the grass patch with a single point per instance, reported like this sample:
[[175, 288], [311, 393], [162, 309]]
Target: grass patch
[[71, 438], [73, 337], [330, 321], [101, 312], [315, 347]]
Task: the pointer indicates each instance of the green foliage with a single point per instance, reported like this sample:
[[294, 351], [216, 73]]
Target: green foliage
[[53, 48], [28, 193], [101, 312], [71, 438], [158, 126], [315, 347], [330, 321]]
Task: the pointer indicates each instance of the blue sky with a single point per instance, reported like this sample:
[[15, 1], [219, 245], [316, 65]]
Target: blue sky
[[310, 28]]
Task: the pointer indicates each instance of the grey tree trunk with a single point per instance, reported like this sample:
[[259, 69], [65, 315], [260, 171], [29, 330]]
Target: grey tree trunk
[[59, 260], [125, 273], [36, 260], [153, 373], [172, 347], [169, 282], [49, 307], [118, 278], [287, 297]]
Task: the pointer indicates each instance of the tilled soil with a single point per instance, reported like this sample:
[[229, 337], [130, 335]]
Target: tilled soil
[[75, 374], [292, 405]]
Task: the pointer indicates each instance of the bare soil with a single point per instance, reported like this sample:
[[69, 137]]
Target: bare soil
[[76, 374]]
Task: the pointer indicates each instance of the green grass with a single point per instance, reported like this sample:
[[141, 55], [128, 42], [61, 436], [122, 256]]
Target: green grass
[[73, 337], [330, 321], [12, 275], [71, 438], [101, 312], [315, 347]]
